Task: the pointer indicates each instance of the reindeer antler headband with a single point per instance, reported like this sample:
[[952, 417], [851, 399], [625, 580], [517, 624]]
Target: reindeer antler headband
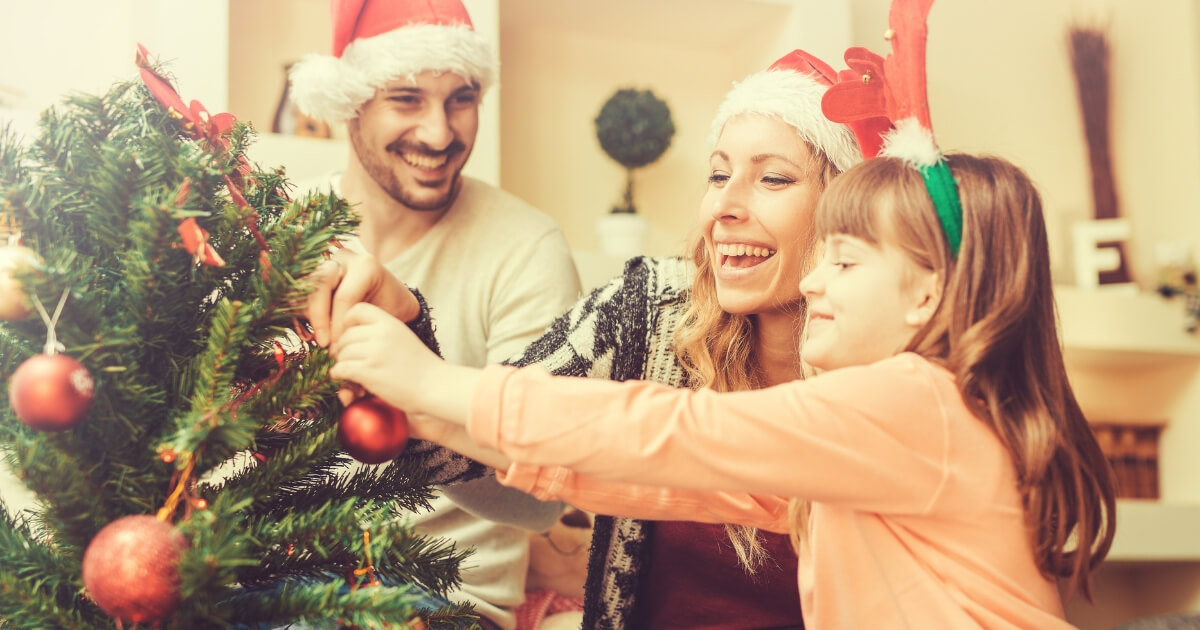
[[886, 103]]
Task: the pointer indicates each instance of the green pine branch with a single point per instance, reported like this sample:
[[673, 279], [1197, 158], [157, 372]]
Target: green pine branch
[[196, 368]]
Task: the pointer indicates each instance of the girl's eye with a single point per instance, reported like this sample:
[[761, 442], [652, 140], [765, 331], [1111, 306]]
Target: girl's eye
[[842, 264], [718, 178], [404, 100]]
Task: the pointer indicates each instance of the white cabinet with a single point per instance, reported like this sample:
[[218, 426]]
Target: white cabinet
[[1131, 360]]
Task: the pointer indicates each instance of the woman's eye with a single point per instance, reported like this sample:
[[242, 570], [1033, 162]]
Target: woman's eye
[[777, 180], [718, 178]]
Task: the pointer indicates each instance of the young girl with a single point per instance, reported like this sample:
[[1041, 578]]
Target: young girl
[[947, 474]]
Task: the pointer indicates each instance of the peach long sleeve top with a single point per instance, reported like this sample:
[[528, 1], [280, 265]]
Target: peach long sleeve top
[[916, 520]]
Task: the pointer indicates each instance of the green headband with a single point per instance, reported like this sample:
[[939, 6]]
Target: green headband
[[939, 181]]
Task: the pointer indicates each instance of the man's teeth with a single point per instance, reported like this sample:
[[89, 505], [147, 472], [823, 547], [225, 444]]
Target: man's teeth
[[420, 160], [727, 249]]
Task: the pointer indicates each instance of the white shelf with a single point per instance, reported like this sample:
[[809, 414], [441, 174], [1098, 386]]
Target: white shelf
[[1105, 328], [1153, 531]]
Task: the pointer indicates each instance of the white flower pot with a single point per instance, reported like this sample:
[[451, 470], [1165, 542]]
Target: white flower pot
[[622, 234]]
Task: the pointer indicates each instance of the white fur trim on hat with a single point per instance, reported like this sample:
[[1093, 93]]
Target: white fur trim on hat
[[911, 142], [332, 88], [795, 99]]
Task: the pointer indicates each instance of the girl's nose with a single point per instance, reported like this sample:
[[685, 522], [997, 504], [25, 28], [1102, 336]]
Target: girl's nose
[[813, 283]]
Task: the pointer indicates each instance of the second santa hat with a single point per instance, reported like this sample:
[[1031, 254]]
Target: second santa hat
[[791, 90], [377, 41]]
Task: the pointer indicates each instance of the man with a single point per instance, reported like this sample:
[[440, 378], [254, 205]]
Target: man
[[407, 78]]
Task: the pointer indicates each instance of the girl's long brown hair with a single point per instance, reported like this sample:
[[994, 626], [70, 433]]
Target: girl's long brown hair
[[996, 330], [717, 349]]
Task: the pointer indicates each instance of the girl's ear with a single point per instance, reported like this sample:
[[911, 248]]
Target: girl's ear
[[927, 295]]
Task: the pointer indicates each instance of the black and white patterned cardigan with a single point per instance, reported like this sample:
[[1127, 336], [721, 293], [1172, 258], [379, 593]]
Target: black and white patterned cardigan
[[623, 330]]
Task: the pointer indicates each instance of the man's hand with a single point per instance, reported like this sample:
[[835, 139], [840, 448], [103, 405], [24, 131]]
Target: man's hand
[[383, 356], [346, 279]]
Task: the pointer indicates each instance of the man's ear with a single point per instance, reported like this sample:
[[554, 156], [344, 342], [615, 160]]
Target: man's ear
[[926, 296]]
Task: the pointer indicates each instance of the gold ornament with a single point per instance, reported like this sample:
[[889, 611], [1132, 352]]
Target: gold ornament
[[14, 303]]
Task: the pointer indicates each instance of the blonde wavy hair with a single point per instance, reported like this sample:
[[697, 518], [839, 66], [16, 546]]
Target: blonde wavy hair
[[717, 348]]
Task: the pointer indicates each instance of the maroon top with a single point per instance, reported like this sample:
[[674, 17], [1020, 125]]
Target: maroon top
[[693, 580]]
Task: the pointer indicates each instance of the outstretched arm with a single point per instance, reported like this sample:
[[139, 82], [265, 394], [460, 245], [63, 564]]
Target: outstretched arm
[[791, 440], [611, 498]]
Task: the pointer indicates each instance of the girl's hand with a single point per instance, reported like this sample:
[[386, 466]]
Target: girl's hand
[[346, 279], [380, 353], [429, 428], [454, 437]]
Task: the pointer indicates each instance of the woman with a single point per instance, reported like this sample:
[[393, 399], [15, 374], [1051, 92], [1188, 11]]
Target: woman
[[725, 320]]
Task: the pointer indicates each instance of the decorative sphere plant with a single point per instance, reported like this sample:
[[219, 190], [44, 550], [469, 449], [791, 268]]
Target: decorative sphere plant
[[634, 128]]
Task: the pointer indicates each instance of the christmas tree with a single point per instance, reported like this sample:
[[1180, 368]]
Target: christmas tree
[[165, 404]]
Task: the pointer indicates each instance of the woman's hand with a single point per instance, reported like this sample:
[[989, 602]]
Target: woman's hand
[[380, 353], [346, 279]]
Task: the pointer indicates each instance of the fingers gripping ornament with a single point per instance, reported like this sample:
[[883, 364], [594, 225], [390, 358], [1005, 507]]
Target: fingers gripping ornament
[[51, 391]]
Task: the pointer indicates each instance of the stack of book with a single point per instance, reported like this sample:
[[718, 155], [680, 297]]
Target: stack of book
[[1132, 451]]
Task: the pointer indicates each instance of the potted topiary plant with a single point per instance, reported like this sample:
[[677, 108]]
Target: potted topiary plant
[[634, 128]]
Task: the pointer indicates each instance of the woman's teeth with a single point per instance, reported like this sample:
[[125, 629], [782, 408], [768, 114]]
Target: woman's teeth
[[726, 249]]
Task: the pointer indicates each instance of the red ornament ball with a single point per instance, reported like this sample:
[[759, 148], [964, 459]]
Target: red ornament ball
[[373, 431], [51, 392], [14, 303], [131, 569]]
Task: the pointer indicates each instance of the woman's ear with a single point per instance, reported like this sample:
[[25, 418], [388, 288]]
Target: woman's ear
[[927, 295]]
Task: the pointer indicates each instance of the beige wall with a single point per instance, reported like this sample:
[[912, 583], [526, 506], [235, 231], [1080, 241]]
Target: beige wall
[[1000, 81], [560, 65], [52, 47]]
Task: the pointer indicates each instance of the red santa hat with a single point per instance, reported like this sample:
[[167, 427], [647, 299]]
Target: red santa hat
[[377, 41], [791, 90]]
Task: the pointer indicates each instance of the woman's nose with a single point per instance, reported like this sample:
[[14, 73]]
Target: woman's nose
[[732, 204]]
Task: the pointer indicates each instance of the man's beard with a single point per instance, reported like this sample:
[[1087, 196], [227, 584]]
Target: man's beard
[[386, 178]]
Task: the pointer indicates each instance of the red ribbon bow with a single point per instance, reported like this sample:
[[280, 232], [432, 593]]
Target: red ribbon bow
[[194, 119], [199, 125]]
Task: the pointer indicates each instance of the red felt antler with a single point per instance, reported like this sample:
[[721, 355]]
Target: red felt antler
[[876, 93]]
